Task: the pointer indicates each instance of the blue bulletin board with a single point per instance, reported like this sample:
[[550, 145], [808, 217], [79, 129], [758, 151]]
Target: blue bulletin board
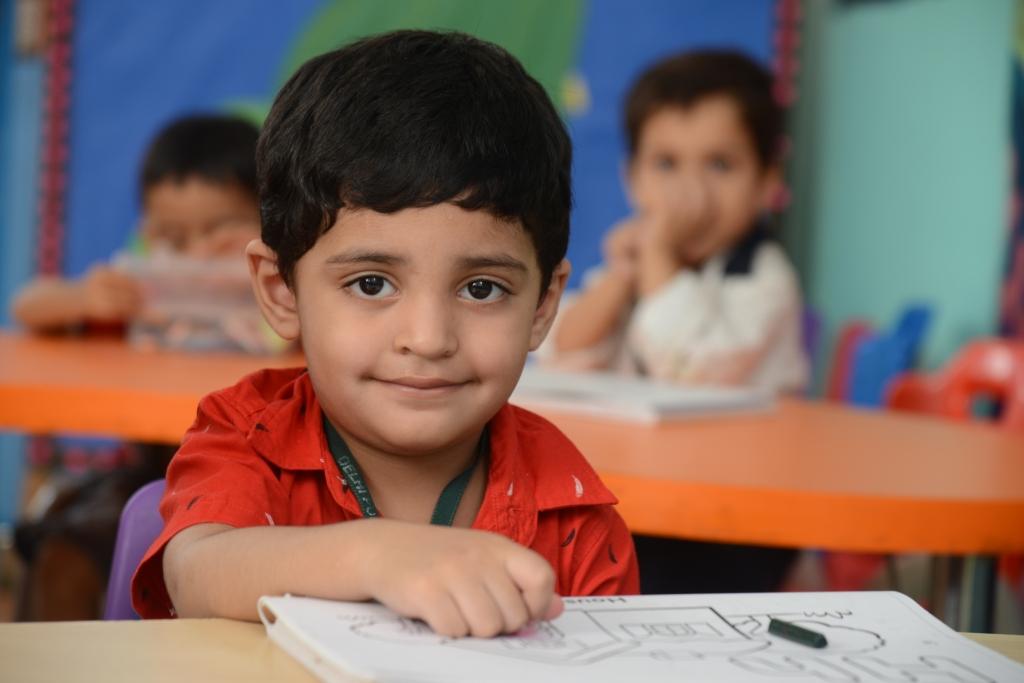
[[137, 65]]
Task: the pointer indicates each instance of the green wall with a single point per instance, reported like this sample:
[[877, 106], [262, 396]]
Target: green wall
[[901, 169]]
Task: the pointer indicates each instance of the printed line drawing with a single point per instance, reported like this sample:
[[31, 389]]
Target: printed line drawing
[[596, 629]]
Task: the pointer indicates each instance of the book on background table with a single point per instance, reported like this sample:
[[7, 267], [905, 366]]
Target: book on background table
[[604, 394], [872, 637]]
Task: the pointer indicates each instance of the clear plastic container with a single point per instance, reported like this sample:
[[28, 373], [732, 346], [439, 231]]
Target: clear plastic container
[[197, 304]]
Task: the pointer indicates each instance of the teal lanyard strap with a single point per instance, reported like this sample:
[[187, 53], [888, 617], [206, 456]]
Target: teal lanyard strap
[[447, 502], [349, 469]]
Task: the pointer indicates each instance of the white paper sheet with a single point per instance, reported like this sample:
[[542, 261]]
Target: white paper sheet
[[873, 637], [636, 399]]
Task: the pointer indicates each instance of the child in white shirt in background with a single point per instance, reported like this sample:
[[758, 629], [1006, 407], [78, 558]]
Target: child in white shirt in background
[[693, 288]]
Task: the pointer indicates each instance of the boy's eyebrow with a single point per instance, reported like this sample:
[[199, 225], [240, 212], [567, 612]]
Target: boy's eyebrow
[[465, 262], [495, 261], [363, 256]]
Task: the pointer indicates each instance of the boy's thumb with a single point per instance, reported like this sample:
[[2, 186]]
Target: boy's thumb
[[555, 608]]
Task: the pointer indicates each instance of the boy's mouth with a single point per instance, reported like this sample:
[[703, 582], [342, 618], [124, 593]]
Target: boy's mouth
[[426, 385]]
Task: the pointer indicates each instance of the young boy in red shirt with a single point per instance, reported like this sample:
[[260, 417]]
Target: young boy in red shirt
[[415, 195]]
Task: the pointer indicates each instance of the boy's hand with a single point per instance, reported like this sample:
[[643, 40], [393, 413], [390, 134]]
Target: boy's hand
[[460, 581], [109, 295]]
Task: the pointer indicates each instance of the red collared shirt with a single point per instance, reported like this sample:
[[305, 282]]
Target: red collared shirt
[[256, 455]]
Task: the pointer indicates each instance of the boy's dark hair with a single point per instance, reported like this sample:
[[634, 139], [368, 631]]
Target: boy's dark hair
[[683, 80], [220, 149], [413, 119]]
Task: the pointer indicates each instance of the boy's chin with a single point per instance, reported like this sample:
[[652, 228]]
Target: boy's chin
[[698, 254], [424, 440]]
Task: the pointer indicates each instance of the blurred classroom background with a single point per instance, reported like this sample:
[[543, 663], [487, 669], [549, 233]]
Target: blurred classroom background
[[906, 121]]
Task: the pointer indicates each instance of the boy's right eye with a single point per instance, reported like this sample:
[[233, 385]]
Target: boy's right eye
[[370, 287], [664, 162]]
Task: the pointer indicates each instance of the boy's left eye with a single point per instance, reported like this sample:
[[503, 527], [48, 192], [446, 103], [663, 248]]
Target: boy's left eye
[[720, 163], [483, 290]]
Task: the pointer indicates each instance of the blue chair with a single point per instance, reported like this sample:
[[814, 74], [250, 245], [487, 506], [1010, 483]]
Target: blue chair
[[139, 526], [879, 358]]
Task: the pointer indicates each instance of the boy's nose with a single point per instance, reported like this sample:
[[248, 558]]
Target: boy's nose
[[695, 196], [426, 328]]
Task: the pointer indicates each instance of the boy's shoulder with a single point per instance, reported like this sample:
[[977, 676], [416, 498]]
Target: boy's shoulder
[[257, 391], [274, 411]]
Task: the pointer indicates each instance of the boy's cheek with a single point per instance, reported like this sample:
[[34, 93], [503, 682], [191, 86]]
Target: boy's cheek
[[653, 197]]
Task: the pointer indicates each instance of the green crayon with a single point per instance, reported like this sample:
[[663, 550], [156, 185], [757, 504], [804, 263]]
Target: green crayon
[[797, 634]]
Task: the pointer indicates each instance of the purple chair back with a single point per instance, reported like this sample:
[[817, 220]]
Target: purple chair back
[[140, 525], [811, 333]]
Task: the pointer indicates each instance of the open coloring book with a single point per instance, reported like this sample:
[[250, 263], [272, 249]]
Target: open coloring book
[[603, 394], [873, 637]]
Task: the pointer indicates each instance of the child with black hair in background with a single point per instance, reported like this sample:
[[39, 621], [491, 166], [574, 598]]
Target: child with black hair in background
[[197, 186], [694, 289], [198, 190]]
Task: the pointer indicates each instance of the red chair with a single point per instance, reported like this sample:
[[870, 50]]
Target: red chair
[[912, 392], [850, 337], [989, 368], [1013, 412], [848, 571]]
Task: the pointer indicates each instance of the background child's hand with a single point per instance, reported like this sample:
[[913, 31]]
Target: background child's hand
[[622, 247], [676, 221], [109, 295], [460, 581]]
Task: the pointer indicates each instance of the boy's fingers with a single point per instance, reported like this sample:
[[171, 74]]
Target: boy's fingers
[[506, 595], [124, 293], [555, 608], [108, 277], [535, 579], [122, 302], [117, 284], [443, 615], [479, 610]]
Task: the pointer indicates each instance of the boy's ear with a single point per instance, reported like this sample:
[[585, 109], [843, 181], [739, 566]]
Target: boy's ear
[[771, 188], [548, 306], [275, 298]]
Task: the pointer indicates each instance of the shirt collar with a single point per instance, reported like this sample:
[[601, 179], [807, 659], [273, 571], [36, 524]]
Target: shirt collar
[[287, 431], [740, 257], [532, 466]]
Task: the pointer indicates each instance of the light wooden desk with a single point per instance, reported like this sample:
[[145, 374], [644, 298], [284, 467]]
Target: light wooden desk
[[185, 650], [805, 474]]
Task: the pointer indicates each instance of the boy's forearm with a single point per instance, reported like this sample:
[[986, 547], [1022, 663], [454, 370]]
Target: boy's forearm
[[49, 304], [223, 574], [595, 313]]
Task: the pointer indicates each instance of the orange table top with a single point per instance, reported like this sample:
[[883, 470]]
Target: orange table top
[[804, 474]]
